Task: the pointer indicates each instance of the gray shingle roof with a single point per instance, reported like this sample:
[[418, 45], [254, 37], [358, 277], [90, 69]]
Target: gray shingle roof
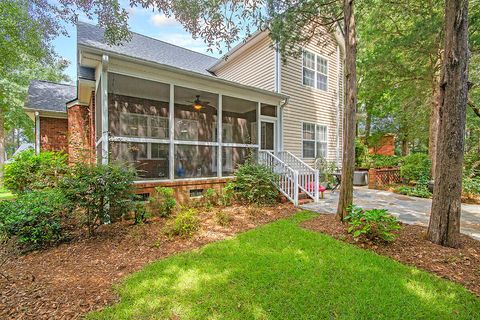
[[49, 96], [146, 48]]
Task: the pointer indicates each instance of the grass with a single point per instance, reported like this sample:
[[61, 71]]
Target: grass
[[5, 194], [281, 271]]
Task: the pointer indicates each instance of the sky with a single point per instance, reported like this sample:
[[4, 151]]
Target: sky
[[144, 21]]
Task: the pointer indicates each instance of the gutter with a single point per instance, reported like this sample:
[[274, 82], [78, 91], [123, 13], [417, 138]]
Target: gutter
[[197, 75]]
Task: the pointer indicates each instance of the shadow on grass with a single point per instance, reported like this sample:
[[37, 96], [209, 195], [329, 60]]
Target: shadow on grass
[[281, 271]]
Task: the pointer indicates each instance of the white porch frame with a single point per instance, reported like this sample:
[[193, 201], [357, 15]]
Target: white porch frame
[[109, 66]]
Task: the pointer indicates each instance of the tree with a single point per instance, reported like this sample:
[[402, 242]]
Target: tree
[[444, 226]]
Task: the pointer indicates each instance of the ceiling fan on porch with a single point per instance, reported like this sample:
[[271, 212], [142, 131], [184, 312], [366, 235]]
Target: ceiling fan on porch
[[198, 105]]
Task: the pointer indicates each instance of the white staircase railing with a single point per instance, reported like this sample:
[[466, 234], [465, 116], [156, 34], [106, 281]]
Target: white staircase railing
[[308, 178], [286, 178]]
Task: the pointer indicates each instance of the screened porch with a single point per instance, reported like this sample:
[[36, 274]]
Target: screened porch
[[169, 132]]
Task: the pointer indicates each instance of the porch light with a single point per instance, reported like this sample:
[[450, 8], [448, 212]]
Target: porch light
[[197, 104]]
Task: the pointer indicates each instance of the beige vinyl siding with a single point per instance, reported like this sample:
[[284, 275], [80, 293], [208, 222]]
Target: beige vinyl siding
[[309, 104], [254, 67]]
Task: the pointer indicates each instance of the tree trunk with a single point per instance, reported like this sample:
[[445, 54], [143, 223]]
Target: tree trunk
[[434, 121], [405, 148], [444, 226], [348, 159], [2, 144]]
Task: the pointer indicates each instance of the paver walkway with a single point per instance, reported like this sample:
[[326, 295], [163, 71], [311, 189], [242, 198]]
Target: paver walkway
[[410, 210]]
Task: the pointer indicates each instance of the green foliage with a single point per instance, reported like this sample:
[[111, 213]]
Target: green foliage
[[101, 193], [361, 154], [34, 218], [254, 184], [419, 190], [140, 214], [29, 171], [380, 161], [227, 194], [184, 224], [210, 198], [373, 224], [163, 203], [415, 166], [471, 186], [223, 218]]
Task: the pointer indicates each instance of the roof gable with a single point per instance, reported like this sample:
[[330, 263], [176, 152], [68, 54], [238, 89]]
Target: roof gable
[[146, 48], [49, 96]]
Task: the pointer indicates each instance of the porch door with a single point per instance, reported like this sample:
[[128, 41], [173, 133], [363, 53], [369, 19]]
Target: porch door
[[268, 135]]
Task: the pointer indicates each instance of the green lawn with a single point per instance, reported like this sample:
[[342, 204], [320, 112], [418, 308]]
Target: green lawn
[[281, 271]]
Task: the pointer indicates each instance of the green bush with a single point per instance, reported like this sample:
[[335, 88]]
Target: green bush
[[210, 198], [100, 193], [254, 184], [415, 167], [227, 194], [420, 190], [361, 154], [372, 224], [380, 161], [34, 218], [163, 203], [140, 214], [29, 171], [471, 186], [223, 218], [184, 224]]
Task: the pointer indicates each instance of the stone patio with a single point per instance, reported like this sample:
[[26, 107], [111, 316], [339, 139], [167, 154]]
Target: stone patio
[[410, 210]]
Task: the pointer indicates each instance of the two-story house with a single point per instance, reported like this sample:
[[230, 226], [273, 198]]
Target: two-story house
[[187, 120]]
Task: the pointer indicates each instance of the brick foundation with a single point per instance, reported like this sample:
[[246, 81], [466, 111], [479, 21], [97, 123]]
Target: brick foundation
[[182, 188], [53, 134]]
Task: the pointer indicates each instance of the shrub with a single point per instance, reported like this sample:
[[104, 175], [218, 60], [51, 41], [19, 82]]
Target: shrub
[[140, 214], [227, 194], [163, 203], [361, 154], [373, 224], [380, 161], [184, 224], [34, 218], [471, 186], [254, 184], [415, 166], [101, 193], [29, 171], [223, 218], [210, 198], [420, 190]]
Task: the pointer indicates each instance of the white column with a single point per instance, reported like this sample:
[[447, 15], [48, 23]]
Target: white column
[[219, 136], [37, 132], [104, 106], [171, 128], [259, 126]]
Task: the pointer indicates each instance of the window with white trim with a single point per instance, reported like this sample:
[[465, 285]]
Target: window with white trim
[[314, 141], [315, 70]]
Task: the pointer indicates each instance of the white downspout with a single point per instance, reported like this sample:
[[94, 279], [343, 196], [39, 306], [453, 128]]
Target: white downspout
[[278, 89], [339, 84]]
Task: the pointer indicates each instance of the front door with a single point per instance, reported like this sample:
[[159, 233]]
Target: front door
[[267, 135]]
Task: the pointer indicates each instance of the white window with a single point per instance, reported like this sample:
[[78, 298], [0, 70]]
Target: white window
[[315, 71], [314, 141], [143, 125]]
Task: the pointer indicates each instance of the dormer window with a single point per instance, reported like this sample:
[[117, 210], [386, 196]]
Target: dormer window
[[315, 70]]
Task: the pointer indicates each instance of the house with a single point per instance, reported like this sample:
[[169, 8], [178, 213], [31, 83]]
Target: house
[[186, 119]]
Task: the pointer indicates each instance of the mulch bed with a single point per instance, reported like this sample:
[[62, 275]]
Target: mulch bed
[[69, 280], [411, 247]]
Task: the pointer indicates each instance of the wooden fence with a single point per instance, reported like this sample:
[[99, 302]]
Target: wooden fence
[[380, 178]]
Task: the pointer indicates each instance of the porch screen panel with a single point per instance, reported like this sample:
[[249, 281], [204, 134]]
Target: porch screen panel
[[138, 108], [232, 157], [149, 159], [239, 120], [195, 115], [195, 161]]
